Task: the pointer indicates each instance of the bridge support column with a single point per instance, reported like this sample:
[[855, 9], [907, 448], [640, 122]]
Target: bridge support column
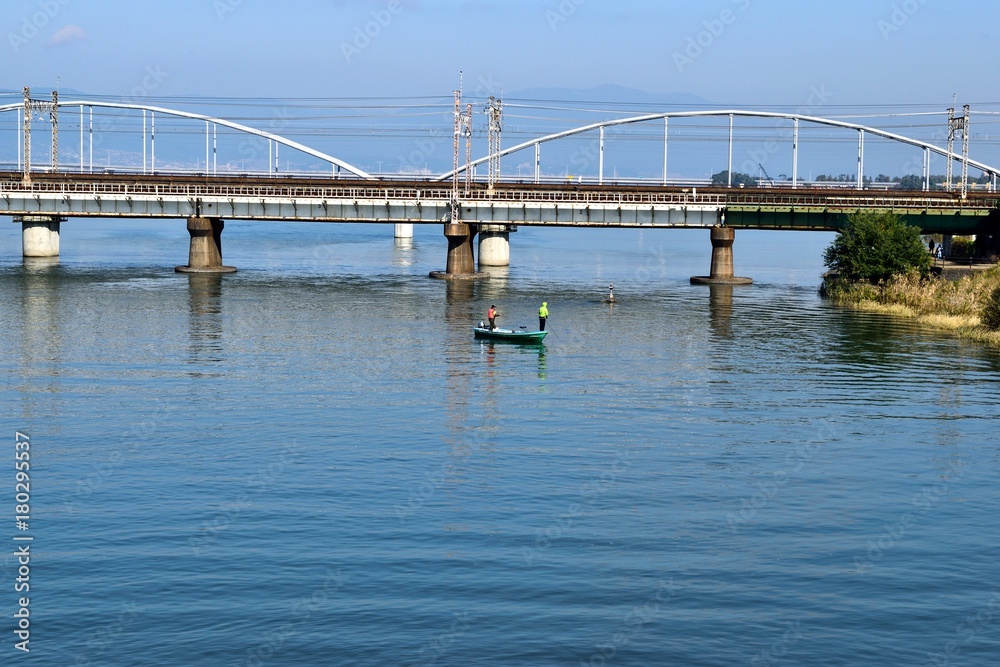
[[721, 272], [946, 245], [39, 235], [404, 230], [205, 255], [461, 262], [494, 245]]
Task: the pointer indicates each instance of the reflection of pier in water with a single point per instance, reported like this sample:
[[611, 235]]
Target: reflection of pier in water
[[204, 321], [41, 337], [403, 252], [472, 417], [720, 306]]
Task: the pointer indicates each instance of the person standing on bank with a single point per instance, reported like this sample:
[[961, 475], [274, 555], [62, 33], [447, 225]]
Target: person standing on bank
[[491, 315], [543, 314]]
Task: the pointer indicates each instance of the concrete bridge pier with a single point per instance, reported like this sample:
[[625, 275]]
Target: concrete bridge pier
[[404, 230], [721, 272], [946, 244], [39, 235], [205, 255], [461, 262], [494, 245]]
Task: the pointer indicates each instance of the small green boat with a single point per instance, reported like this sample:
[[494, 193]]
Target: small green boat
[[509, 335]]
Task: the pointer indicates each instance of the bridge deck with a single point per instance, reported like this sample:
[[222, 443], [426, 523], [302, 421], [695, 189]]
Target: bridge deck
[[425, 202]]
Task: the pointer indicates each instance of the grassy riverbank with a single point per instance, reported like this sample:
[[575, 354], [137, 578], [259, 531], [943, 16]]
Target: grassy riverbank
[[954, 305]]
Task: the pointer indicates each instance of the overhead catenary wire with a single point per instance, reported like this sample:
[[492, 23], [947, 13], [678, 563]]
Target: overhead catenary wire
[[399, 122]]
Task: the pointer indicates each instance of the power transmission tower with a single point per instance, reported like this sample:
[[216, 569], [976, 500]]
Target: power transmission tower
[[454, 179], [31, 107], [494, 113], [54, 117], [956, 125], [26, 135], [467, 131]]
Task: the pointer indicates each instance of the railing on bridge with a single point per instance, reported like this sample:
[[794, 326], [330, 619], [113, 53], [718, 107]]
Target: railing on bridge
[[582, 194]]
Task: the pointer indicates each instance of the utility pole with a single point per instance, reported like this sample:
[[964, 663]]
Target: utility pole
[[467, 131], [54, 117], [30, 108], [26, 132], [956, 125], [965, 150], [454, 179], [494, 113]]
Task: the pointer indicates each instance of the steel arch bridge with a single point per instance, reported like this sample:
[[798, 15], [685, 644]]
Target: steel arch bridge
[[862, 130], [270, 136], [928, 148], [600, 127], [40, 204]]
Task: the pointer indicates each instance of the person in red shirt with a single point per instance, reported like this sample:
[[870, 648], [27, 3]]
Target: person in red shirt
[[491, 314]]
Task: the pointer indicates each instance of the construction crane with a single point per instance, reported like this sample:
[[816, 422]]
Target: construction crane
[[770, 181]]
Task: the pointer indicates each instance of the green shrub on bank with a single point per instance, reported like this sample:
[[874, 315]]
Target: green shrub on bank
[[880, 264], [968, 297], [873, 247], [926, 296]]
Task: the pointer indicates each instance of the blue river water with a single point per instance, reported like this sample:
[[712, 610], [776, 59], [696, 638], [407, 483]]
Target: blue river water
[[312, 461]]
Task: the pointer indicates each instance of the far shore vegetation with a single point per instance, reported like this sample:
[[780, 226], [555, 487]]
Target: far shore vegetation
[[909, 182], [880, 264]]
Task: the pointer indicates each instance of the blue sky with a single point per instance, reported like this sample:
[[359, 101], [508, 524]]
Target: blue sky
[[874, 57], [748, 52]]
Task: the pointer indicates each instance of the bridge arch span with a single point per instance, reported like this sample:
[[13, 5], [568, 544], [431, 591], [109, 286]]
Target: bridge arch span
[[723, 113], [210, 119]]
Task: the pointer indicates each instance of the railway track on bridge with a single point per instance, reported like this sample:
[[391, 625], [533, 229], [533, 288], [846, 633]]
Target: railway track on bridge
[[174, 185]]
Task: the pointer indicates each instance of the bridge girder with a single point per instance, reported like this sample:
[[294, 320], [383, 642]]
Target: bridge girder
[[958, 222]]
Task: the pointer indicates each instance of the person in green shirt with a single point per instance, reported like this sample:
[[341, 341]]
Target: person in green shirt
[[543, 314]]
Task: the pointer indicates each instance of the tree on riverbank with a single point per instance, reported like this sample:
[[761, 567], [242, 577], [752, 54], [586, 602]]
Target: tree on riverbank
[[740, 180], [882, 266], [873, 247]]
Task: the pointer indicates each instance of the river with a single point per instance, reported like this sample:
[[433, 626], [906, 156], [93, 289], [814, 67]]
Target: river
[[312, 461]]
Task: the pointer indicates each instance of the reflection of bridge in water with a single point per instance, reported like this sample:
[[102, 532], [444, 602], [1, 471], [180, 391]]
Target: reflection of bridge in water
[[41, 197]]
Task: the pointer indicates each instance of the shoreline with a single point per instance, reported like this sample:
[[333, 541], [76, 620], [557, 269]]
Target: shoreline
[[939, 303]]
